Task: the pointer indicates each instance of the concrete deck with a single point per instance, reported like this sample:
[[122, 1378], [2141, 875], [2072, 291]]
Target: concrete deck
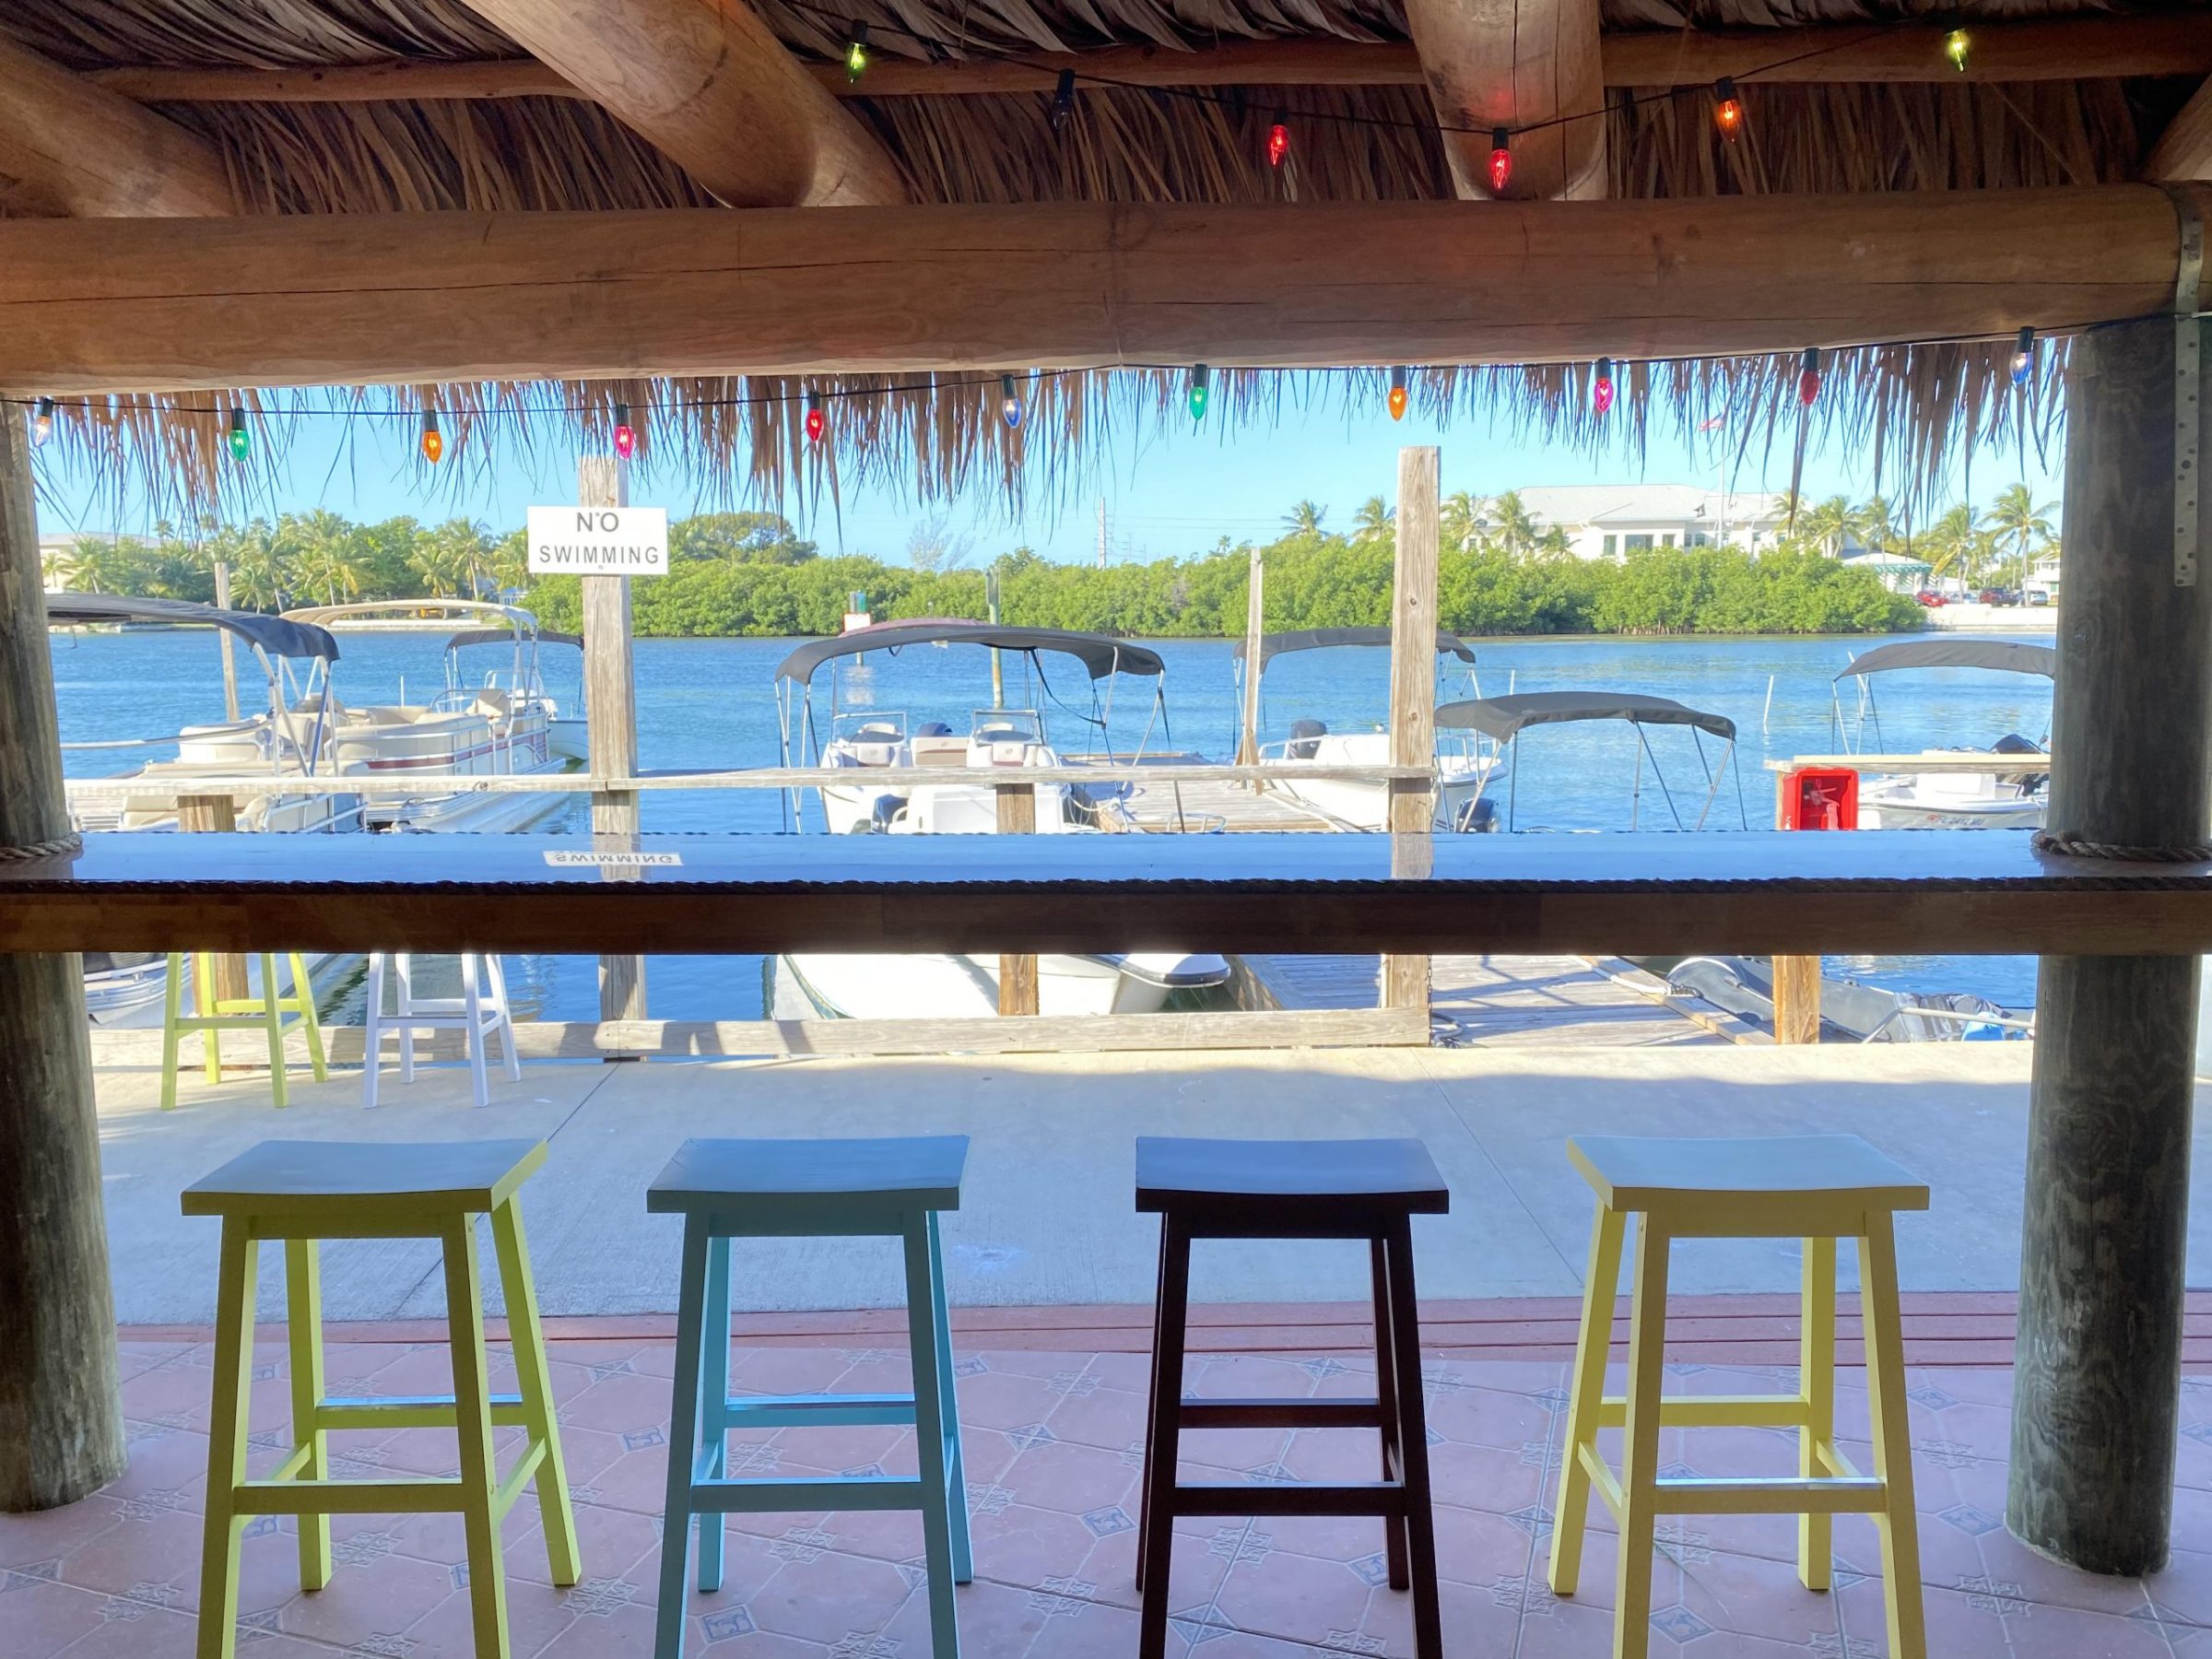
[[1047, 1219]]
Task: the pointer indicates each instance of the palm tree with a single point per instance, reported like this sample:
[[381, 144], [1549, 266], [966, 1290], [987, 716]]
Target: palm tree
[[55, 568], [1373, 521], [2020, 519], [1829, 525], [1304, 519], [327, 558], [260, 561], [1517, 530], [1877, 527], [1460, 517], [1950, 545], [96, 566]]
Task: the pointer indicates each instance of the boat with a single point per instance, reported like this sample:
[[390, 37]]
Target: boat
[[1001, 740], [1987, 800], [500, 726], [1461, 766], [1742, 988], [567, 735], [1502, 720]]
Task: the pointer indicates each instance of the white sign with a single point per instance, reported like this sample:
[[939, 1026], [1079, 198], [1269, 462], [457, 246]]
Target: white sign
[[613, 861], [599, 541]]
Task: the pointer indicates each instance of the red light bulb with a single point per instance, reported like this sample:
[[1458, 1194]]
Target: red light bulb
[[1727, 109], [1808, 376], [626, 435], [1601, 389], [1278, 143], [1501, 160], [816, 424]]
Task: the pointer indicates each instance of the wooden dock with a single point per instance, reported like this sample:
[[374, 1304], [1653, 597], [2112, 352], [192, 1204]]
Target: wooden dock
[[1487, 1001], [1171, 804]]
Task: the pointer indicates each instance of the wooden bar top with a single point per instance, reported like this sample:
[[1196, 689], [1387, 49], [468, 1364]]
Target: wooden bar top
[[1895, 891]]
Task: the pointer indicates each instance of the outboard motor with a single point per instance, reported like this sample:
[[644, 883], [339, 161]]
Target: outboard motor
[[2026, 783], [1305, 738], [933, 728], [1478, 817]]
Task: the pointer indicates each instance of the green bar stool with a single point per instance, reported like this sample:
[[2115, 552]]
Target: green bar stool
[[265, 1014], [809, 1189], [302, 1191]]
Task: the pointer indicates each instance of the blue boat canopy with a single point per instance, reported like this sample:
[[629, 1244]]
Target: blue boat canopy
[[2007, 657], [1501, 717], [1316, 639], [273, 634], [1099, 655]]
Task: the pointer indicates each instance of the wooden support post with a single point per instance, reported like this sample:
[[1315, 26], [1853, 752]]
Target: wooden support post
[[1796, 999], [1255, 630], [1413, 686], [2096, 1394], [216, 815], [1017, 973], [61, 1414], [223, 639], [611, 723]]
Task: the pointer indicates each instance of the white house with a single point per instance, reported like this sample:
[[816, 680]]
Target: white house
[[1606, 521]]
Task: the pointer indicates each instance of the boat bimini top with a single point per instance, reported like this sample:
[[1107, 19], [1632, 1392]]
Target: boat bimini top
[[1503, 719], [502, 636], [1318, 639], [487, 612], [2006, 656], [1100, 655], [277, 636]]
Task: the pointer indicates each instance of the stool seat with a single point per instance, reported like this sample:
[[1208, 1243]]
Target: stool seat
[[916, 1172], [471, 1177], [1296, 1182], [1787, 1185]]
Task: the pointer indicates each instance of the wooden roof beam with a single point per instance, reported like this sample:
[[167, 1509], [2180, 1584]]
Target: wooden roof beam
[[707, 83], [2059, 48], [69, 146], [2184, 150], [90, 307], [1530, 65]]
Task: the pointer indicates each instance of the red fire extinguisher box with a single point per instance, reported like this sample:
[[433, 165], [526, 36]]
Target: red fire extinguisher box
[[1818, 798]]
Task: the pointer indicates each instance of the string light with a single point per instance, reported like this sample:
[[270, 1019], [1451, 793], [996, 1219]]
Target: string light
[[240, 439], [1278, 143], [856, 52], [815, 423], [1501, 158], [1009, 402], [1808, 376], [433, 441], [42, 422], [1063, 100], [1601, 389], [1200, 388], [1954, 47], [1727, 109], [2023, 358], [626, 435], [1397, 394]]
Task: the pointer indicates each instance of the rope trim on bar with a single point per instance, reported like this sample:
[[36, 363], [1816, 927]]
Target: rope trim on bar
[[2074, 846], [69, 841]]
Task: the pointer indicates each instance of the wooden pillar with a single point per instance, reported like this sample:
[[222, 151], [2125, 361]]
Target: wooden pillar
[[61, 1414], [216, 814], [1256, 628], [228, 645], [610, 690], [2096, 1389], [1796, 999], [1413, 686], [1017, 973]]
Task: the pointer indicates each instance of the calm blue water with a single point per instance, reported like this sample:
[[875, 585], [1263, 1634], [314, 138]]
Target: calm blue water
[[712, 703]]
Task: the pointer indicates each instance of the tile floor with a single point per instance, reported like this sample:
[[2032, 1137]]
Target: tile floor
[[1052, 1446]]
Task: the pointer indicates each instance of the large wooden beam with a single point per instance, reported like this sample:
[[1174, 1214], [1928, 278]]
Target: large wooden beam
[[2080, 48], [118, 306], [1519, 64], [69, 146], [2183, 151], [2105, 1227], [707, 83], [61, 1414]]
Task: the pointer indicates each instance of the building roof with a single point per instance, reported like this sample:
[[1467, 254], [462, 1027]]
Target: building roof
[[1609, 505]]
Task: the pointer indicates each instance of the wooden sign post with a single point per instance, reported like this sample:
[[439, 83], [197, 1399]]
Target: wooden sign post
[[1255, 630], [611, 723], [1413, 694]]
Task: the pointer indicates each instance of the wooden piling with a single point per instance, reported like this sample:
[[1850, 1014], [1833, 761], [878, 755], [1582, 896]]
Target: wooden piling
[[216, 814], [1413, 686], [2096, 1388], [61, 1414], [1017, 970], [1255, 630], [611, 722]]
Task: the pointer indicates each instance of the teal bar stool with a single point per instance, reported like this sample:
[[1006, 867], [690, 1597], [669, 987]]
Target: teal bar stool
[[809, 1189]]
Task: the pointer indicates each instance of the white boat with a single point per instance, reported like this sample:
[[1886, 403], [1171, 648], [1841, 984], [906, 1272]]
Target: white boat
[[500, 726], [1502, 720], [999, 741], [1462, 763], [1945, 800]]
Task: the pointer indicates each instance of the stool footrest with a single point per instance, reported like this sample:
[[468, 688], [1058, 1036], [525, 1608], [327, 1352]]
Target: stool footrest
[[773, 1496], [412, 1411], [1715, 1411], [1327, 1499], [1282, 1414], [424, 1496], [1771, 1495], [813, 1411]]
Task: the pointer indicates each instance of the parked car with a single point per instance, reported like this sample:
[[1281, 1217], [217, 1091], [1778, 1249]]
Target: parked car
[[1996, 595], [1931, 598], [2038, 596]]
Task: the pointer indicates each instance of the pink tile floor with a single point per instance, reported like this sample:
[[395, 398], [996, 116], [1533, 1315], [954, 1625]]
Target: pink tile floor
[[1053, 1457]]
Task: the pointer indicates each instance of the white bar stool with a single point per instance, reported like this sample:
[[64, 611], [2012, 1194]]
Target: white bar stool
[[479, 1012]]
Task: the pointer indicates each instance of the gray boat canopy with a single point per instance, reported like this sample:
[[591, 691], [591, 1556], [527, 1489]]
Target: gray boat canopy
[[274, 635], [1098, 654], [1314, 638], [2007, 657], [1501, 717], [502, 636]]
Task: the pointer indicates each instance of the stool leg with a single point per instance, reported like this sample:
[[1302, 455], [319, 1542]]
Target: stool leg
[[402, 972], [1386, 1397], [495, 973], [303, 1321], [930, 1431], [956, 1483], [1413, 1442], [525, 1330], [271, 1024], [472, 1419], [714, 1404], [172, 1010], [1639, 1451], [683, 1444], [1898, 1523], [1144, 1487], [1591, 1348], [372, 1029], [1155, 1561], [472, 1007], [204, 998], [1817, 1384], [223, 1527], [303, 992]]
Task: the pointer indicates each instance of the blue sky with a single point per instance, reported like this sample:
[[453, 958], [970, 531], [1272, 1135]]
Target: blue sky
[[1171, 493]]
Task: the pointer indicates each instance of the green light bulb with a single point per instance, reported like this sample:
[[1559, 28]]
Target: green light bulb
[[1200, 376], [856, 52], [1954, 48], [240, 440]]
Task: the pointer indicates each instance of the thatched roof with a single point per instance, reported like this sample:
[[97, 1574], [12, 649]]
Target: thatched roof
[[1910, 402]]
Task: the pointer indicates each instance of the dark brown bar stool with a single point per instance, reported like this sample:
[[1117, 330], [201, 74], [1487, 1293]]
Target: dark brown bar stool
[[1252, 1189]]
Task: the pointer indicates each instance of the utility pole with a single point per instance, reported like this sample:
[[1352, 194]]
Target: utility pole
[[1102, 533]]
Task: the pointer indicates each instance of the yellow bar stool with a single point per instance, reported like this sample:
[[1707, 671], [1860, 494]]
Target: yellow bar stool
[[265, 1014], [1818, 1188], [302, 1191]]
